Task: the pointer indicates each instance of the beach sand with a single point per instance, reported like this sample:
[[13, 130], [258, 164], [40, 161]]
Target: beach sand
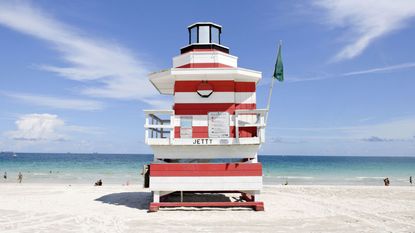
[[112, 208]]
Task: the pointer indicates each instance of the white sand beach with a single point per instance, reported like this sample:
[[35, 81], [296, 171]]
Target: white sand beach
[[111, 208]]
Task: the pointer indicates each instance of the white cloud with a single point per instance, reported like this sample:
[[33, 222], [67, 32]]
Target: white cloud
[[308, 79], [55, 102], [399, 130], [46, 127], [106, 69], [382, 69], [358, 73], [365, 21], [38, 127]]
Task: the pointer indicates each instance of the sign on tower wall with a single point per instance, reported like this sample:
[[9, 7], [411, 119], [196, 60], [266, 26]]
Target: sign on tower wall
[[218, 123]]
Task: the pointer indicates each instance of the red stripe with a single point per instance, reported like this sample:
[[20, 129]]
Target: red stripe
[[204, 109], [200, 132], [245, 87], [218, 86], [206, 169], [205, 65], [247, 132], [245, 106], [176, 132], [258, 206], [203, 132]]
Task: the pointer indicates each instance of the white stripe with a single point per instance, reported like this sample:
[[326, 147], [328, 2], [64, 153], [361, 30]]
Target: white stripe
[[215, 97], [193, 97], [202, 120], [205, 183], [198, 120], [245, 97], [205, 57], [218, 151]]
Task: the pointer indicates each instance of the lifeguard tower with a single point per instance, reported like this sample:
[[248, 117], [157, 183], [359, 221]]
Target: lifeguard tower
[[208, 141]]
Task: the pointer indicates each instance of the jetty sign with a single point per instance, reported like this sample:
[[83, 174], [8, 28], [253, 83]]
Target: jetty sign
[[201, 141]]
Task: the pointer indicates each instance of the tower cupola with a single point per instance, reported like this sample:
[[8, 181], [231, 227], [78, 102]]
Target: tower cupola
[[204, 35]]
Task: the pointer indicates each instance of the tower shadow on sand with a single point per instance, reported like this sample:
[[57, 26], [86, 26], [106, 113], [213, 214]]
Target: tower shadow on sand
[[136, 200], [141, 200]]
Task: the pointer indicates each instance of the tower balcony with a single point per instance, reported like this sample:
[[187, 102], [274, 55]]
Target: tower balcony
[[161, 128]]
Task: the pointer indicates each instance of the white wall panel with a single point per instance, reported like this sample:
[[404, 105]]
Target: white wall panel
[[207, 151], [205, 183], [205, 57], [245, 97], [216, 97]]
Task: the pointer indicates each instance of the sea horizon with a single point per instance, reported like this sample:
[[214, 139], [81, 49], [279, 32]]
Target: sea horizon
[[108, 153], [86, 168]]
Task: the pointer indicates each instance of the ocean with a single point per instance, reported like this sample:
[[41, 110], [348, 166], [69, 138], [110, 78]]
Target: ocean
[[126, 168]]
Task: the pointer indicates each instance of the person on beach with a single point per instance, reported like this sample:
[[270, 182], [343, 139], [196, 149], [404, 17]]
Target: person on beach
[[410, 180], [5, 175], [386, 181], [98, 183], [20, 177]]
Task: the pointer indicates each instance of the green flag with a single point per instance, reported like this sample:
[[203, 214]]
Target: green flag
[[279, 69]]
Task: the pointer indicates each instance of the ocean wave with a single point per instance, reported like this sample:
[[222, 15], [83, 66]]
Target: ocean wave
[[369, 177], [291, 177], [39, 174]]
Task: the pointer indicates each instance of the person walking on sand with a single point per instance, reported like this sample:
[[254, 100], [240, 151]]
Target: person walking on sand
[[5, 175], [410, 180], [20, 177]]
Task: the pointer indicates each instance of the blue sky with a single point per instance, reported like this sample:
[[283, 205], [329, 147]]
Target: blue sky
[[73, 74]]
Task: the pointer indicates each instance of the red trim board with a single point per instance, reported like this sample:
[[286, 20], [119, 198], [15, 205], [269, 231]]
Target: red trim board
[[206, 169], [257, 206], [204, 109], [204, 65], [218, 86]]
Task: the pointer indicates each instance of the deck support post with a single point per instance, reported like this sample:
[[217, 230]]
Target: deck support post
[[156, 196]]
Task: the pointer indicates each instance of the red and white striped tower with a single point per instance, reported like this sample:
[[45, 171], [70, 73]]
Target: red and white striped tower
[[214, 119]]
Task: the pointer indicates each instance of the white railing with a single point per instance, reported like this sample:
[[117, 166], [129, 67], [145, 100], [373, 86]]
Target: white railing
[[157, 128], [251, 118]]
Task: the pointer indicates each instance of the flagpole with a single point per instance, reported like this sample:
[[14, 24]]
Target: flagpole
[[270, 92], [269, 99]]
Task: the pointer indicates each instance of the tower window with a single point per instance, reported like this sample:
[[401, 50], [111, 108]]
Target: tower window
[[193, 35], [214, 32], [204, 35]]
